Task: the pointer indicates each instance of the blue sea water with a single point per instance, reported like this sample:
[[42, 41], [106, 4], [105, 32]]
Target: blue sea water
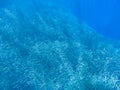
[[59, 45], [102, 15]]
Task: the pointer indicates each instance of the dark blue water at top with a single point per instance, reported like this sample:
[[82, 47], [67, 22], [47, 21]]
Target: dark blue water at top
[[102, 15]]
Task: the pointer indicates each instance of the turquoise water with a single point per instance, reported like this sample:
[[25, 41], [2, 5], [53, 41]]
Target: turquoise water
[[48, 45]]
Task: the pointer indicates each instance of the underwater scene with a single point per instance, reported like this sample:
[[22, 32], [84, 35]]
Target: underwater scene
[[59, 45]]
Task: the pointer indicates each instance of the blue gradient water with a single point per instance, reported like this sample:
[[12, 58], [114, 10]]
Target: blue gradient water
[[102, 15], [59, 45]]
